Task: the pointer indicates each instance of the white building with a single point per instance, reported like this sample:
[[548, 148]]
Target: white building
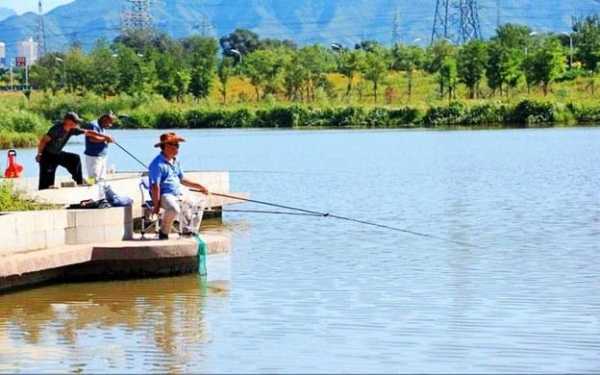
[[2, 55], [29, 50]]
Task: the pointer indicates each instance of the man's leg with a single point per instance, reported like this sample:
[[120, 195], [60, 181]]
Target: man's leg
[[102, 167], [170, 204], [47, 171], [72, 162], [96, 167]]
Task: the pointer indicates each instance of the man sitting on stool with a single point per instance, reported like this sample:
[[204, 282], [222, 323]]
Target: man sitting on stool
[[50, 150], [166, 178]]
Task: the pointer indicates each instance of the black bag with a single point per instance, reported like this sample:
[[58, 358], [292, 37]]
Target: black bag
[[90, 204]]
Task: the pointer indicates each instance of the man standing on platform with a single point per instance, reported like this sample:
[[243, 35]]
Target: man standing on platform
[[50, 150], [96, 149], [166, 178]]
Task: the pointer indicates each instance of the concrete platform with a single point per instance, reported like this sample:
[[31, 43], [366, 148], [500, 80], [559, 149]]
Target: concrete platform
[[62, 245], [107, 261]]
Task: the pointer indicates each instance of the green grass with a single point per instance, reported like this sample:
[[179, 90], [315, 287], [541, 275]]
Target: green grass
[[12, 201]]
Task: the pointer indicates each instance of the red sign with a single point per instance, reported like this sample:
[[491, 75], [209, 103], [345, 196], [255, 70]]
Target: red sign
[[21, 61]]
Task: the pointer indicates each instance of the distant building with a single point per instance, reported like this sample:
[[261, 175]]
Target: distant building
[[29, 50], [2, 55]]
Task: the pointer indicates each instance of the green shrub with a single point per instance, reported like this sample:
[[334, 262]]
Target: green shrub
[[170, 120], [11, 201], [529, 112], [486, 115], [444, 116]]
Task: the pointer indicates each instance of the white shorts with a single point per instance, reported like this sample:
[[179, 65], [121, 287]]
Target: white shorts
[[96, 167]]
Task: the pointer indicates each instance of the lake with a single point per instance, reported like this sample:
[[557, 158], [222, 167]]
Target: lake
[[306, 294]]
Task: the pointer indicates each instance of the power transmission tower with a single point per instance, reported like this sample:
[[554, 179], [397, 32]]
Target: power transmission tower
[[470, 27], [396, 29], [205, 26], [456, 20], [41, 32], [441, 20], [137, 16]]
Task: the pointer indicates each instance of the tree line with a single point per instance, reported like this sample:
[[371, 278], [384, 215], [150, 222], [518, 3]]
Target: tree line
[[149, 63]]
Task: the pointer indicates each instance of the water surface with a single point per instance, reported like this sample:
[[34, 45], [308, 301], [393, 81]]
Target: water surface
[[316, 295]]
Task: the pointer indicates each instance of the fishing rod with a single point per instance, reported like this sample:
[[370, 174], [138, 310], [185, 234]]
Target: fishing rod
[[130, 154], [320, 214], [268, 212], [344, 218]]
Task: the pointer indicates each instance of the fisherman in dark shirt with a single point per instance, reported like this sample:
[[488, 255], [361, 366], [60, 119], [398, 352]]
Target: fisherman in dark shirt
[[50, 150]]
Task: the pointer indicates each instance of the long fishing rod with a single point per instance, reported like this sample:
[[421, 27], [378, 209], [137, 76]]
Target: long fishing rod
[[130, 154], [320, 214], [349, 219]]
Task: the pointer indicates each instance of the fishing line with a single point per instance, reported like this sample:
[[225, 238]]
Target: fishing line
[[306, 212]]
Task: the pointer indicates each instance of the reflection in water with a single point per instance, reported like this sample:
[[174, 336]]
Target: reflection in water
[[166, 313]]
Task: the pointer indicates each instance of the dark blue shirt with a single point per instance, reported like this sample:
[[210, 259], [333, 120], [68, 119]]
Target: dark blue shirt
[[93, 148], [59, 138], [167, 175]]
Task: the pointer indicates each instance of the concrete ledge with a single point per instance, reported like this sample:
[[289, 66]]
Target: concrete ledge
[[117, 260]]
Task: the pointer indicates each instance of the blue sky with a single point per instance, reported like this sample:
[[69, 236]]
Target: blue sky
[[22, 6]]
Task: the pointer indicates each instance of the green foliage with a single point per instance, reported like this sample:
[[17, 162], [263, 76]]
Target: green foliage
[[545, 64], [444, 116], [529, 112], [376, 66], [408, 59], [471, 61], [512, 36], [225, 71], [242, 40], [448, 77], [103, 69], [12, 201], [503, 67], [349, 64], [587, 39]]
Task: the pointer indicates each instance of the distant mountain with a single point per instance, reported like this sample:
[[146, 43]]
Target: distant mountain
[[5, 13], [305, 21]]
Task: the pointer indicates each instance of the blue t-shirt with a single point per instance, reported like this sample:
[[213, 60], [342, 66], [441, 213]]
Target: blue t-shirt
[[92, 148], [167, 175]]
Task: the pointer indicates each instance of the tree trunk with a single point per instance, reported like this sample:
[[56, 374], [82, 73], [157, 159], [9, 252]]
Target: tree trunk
[[546, 87], [349, 88], [375, 90], [409, 79]]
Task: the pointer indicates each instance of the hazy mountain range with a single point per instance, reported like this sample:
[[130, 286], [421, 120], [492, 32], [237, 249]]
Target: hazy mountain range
[[5, 13], [305, 21]]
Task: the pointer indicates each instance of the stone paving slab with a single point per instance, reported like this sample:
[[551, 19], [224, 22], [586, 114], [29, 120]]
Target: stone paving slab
[[40, 260]]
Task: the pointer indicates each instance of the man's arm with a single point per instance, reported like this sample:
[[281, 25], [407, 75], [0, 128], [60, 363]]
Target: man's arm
[[41, 146], [97, 137], [194, 185]]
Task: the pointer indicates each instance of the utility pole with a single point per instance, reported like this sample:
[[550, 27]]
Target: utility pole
[[12, 80], [396, 29], [41, 32]]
